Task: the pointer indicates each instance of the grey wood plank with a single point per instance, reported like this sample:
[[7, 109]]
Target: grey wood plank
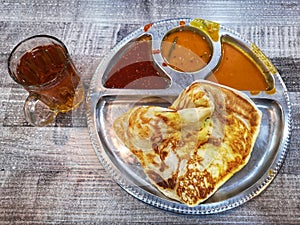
[[88, 197], [142, 11]]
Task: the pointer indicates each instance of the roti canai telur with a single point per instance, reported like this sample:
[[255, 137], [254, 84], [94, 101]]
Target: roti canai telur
[[193, 147]]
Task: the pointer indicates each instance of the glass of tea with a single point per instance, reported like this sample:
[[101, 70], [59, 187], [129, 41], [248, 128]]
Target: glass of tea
[[42, 65]]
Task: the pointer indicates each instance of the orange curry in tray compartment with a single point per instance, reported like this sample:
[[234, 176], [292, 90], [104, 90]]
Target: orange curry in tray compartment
[[238, 70], [186, 50], [136, 69]]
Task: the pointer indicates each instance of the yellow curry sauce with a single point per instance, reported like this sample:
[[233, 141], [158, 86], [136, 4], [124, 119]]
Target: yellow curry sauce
[[238, 71], [186, 50]]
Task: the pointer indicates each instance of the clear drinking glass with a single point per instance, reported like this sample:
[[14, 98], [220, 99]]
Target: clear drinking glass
[[42, 65]]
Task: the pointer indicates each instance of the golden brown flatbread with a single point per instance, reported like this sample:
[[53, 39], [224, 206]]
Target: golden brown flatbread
[[193, 147]]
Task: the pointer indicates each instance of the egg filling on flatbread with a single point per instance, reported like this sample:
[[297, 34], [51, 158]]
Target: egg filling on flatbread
[[193, 147]]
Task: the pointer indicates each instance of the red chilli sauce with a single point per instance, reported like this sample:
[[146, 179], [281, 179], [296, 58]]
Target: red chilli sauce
[[136, 69]]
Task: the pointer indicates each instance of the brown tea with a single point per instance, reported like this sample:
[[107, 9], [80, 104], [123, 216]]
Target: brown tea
[[49, 72]]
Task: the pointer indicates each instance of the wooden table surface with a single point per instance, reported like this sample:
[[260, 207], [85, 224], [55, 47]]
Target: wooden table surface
[[51, 175]]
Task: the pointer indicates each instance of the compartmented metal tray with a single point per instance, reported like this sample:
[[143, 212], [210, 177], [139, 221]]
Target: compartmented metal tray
[[104, 105]]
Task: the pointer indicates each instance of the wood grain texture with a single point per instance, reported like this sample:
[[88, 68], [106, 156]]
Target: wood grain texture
[[52, 175]]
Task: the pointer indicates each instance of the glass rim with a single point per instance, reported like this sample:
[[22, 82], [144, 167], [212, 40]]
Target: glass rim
[[48, 83]]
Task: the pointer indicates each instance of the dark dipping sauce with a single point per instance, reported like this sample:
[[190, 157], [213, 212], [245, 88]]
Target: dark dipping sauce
[[136, 69]]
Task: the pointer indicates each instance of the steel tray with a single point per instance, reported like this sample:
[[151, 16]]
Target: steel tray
[[104, 105]]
